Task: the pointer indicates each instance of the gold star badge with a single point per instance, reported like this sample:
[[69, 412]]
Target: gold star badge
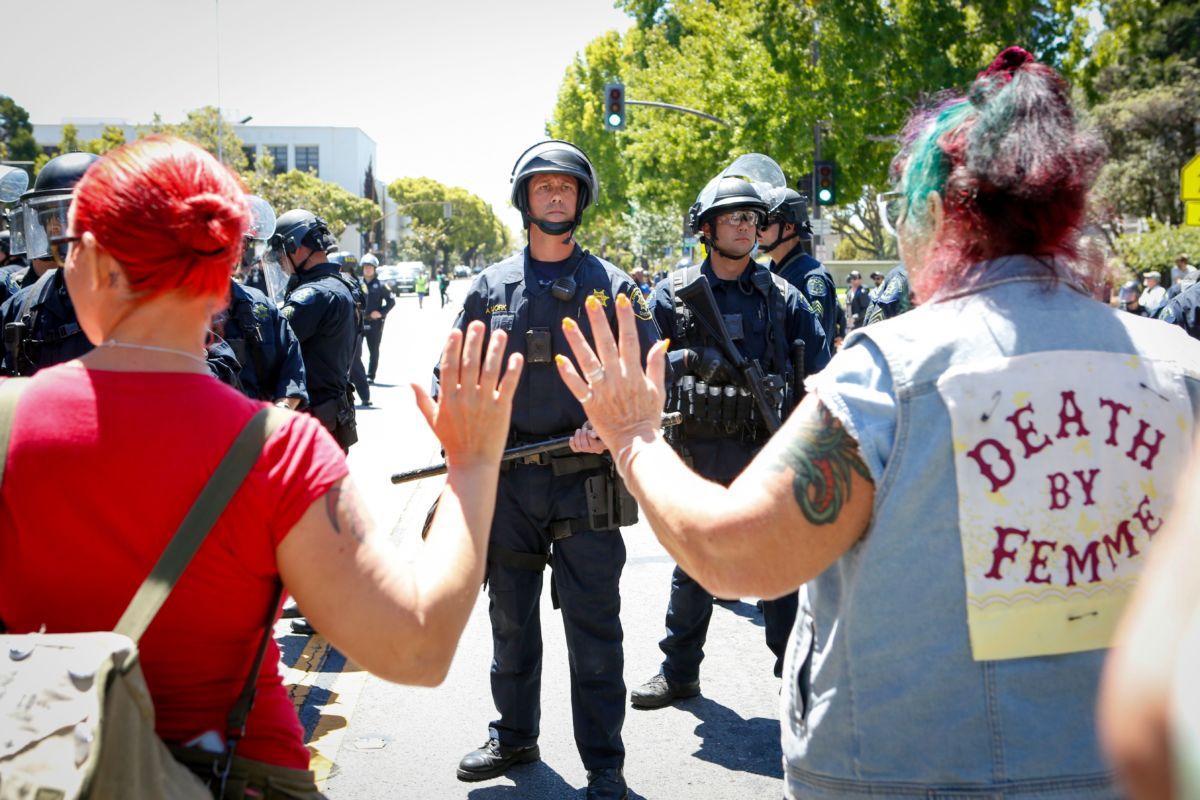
[[601, 296]]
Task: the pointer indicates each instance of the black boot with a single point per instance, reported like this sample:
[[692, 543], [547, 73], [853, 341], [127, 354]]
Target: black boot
[[606, 784], [494, 759], [658, 692]]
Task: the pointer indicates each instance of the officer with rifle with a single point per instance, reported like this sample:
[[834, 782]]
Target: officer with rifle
[[742, 339], [565, 506]]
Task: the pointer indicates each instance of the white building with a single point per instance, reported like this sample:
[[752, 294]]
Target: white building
[[338, 155]]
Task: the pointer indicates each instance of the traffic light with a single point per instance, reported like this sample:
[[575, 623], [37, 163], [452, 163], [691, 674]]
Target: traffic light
[[826, 187], [614, 106]]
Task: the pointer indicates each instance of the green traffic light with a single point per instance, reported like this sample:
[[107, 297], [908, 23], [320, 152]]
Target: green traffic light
[[614, 120], [824, 195]]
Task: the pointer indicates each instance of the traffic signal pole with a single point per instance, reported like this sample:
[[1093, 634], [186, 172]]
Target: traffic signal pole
[[681, 109], [816, 55]]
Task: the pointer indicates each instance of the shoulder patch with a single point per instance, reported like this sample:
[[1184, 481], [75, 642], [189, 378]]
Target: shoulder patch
[[302, 295], [261, 312], [807, 306], [1167, 314], [287, 311], [814, 286], [641, 306]]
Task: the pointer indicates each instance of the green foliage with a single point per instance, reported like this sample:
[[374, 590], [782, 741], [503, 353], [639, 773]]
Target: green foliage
[[16, 132], [1157, 248], [749, 62], [208, 128], [472, 234], [111, 137], [295, 189]]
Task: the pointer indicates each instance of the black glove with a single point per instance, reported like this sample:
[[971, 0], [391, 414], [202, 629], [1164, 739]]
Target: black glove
[[711, 367]]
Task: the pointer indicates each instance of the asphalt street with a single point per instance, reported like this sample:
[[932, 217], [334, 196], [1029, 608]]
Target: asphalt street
[[373, 739]]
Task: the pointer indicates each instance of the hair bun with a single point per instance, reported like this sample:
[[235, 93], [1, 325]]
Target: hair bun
[[1008, 62], [210, 223]]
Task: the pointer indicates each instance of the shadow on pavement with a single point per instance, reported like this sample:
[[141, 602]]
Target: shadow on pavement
[[744, 610], [727, 740], [530, 780]]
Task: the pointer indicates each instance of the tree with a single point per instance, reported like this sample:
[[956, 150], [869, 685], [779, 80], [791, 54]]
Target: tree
[[16, 133], [471, 232], [295, 189], [208, 128]]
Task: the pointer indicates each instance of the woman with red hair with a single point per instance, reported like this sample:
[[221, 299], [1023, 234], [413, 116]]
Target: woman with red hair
[[968, 490], [108, 452]]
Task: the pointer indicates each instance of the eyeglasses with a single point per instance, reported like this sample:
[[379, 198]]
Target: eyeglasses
[[738, 218], [891, 210], [60, 250]]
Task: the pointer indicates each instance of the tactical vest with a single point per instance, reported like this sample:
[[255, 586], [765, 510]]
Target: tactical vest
[[727, 410], [25, 340]]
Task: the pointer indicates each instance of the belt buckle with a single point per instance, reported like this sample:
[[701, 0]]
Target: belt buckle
[[537, 460]]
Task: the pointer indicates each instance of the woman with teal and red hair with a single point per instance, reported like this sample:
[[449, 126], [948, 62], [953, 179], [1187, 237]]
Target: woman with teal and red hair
[[968, 490]]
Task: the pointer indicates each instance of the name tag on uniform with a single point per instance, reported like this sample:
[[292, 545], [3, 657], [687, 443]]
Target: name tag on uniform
[[1065, 463], [733, 324]]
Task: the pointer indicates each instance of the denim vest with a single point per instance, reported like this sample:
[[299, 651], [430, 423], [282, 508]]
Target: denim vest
[[893, 703]]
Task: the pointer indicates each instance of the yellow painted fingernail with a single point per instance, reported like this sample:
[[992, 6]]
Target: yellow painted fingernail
[[592, 303], [560, 359], [569, 325], [667, 343], [623, 301]]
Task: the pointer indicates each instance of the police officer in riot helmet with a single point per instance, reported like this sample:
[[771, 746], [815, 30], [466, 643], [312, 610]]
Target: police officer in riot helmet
[[379, 303], [347, 264], [321, 309], [787, 239], [571, 506], [40, 328], [1130, 299], [769, 321], [266, 347]]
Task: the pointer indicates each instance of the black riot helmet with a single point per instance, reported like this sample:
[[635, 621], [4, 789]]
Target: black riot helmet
[[44, 207], [730, 193], [554, 156], [299, 228]]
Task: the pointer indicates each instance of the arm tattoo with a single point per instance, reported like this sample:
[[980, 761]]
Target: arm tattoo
[[335, 507], [823, 457]]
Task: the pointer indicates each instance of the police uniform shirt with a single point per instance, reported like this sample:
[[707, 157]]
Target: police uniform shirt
[[1184, 310], [282, 361], [56, 336], [515, 297], [816, 284], [378, 298], [740, 297], [321, 311], [891, 298], [14, 278]]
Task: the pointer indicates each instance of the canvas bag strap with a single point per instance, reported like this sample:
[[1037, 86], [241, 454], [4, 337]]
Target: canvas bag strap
[[205, 511], [10, 393]]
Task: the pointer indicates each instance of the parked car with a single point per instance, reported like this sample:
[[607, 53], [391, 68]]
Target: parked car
[[401, 278], [462, 271]]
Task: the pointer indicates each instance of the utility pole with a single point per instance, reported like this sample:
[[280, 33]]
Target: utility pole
[[220, 146]]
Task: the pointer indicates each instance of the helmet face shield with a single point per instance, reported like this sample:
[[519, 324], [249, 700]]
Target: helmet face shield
[[275, 274], [262, 218], [16, 232], [13, 183], [45, 223]]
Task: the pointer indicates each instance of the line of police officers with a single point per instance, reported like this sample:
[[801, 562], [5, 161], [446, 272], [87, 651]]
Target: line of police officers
[[564, 510], [289, 341]]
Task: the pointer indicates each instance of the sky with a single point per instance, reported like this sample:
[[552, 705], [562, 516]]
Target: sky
[[453, 90]]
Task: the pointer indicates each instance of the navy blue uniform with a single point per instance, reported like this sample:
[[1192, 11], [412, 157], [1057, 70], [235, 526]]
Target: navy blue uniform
[[379, 298], [272, 366], [891, 298], [721, 454], [14, 278], [1184, 310], [542, 508], [358, 373], [51, 333], [816, 284], [323, 316]]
